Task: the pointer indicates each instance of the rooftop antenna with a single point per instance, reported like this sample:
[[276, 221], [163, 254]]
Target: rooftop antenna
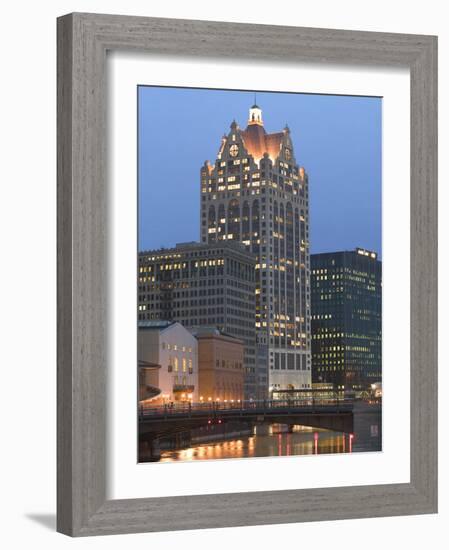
[[255, 98]]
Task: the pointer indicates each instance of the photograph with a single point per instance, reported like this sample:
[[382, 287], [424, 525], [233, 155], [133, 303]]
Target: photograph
[[259, 274]]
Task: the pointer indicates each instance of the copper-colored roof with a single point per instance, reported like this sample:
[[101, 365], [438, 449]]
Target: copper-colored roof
[[258, 142]]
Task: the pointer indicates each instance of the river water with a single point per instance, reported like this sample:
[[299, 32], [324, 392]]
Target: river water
[[304, 440]]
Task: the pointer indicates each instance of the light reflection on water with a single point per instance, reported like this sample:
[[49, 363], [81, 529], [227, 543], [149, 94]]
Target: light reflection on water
[[303, 441], [277, 444]]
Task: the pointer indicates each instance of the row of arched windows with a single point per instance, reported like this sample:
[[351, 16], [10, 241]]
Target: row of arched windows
[[241, 222]]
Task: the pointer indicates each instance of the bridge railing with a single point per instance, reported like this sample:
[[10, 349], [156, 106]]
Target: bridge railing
[[217, 407]]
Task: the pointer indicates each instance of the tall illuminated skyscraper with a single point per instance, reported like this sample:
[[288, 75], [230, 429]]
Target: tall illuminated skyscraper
[[256, 193]]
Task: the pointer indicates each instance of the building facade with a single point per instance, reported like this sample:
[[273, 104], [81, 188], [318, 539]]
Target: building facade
[[220, 366], [203, 285], [149, 390], [347, 319], [255, 193], [175, 350]]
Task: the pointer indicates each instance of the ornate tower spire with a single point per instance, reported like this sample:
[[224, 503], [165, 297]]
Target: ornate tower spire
[[255, 114]]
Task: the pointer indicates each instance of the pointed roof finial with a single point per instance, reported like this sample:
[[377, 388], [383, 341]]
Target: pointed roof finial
[[255, 106]]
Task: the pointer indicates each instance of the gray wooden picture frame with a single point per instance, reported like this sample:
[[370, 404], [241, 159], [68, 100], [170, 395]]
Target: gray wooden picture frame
[[83, 41]]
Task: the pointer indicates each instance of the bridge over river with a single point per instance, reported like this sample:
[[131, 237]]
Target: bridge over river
[[167, 420]]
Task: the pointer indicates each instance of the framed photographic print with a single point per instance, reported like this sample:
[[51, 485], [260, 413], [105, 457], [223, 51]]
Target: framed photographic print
[[246, 274]]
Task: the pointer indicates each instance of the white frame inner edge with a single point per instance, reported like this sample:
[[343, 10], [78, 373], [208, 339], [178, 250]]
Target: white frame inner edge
[[127, 479]]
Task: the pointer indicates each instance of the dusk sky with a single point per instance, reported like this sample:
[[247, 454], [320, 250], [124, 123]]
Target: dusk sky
[[336, 138]]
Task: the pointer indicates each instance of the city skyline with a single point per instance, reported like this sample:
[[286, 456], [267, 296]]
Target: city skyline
[[224, 319], [345, 190]]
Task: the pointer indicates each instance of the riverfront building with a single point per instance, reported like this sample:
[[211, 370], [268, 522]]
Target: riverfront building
[[220, 366], [255, 193], [347, 319], [174, 349], [200, 285]]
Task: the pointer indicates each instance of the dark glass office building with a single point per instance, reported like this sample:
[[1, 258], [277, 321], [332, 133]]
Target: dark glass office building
[[346, 290]]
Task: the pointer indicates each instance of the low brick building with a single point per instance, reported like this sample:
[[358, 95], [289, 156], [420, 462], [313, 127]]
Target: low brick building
[[221, 373]]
